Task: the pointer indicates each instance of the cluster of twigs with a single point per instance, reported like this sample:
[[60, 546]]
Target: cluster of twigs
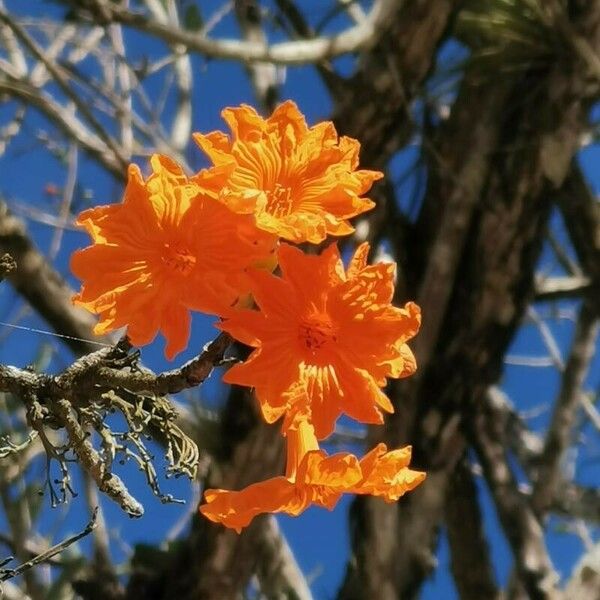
[[78, 402]]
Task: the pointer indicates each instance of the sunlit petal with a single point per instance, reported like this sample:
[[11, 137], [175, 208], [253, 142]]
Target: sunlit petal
[[300, 182]]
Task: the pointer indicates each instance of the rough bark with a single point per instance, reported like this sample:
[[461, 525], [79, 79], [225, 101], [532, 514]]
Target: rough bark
[[473, 312], [581, 212], [470, 557], [519, 522], [560, 432], [376, 106]]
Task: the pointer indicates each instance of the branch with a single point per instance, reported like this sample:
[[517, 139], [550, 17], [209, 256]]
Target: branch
[[469, 552], [182, 120], [62, 82], [6, 574], [125, 111], [526, 445], [92, 462], [585, 580], [560, 430], [299, 52], [292, 20], [465, 179], [581, 212], [191, 374], [79, 398], [576, 501], [557, 288], [262, 75], [18, 64], [277, 571], [521, 526], [64, 119]]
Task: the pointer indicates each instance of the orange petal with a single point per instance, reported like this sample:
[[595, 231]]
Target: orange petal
[[246, 326], [358, 261], [175, 326], [338, 472], [301, 183], [325, 396], [362, 399], [236, 509], [386, 474], [245, 123], [287, 116], [272, 372], [402, 365], [170, 243], [274, 295], [216, 145], [310, 276]]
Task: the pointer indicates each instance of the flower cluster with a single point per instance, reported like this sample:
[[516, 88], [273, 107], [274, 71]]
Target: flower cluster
[[326, 338]]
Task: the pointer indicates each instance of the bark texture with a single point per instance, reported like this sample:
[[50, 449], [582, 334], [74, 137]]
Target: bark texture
[[471, 267]]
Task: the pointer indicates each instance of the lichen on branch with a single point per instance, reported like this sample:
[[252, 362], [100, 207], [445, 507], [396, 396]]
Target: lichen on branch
[[68, 412]]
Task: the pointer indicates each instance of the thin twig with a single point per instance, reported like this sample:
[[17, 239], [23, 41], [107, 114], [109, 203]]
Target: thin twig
[[63, 82], [6, 574]]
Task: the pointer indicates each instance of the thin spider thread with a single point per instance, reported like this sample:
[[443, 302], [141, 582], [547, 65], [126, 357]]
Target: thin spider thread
[[53, 333]]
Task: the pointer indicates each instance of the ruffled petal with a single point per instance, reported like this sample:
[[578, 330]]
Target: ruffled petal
[[358, 261], [301, 183], [216, 145], [402, 365], [289, 123], [386, 474], [245, 123], [338, 472], [320, 480], [236, 509]]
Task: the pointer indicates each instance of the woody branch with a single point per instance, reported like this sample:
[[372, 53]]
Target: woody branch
[[356, 38]]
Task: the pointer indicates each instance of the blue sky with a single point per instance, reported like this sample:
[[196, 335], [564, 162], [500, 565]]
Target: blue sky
[[319, 538]]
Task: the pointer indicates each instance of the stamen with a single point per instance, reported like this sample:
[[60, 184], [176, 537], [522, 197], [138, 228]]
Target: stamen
[[316, 332], [279, 201], [178, 258]]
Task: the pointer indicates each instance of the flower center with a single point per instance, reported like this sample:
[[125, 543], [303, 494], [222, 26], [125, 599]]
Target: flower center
[[178, 258], [316, 332], [279, 201]]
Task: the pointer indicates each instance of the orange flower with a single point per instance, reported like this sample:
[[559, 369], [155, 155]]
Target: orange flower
[[312, 477], [167, 248], [301, 183], [324, 338]]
